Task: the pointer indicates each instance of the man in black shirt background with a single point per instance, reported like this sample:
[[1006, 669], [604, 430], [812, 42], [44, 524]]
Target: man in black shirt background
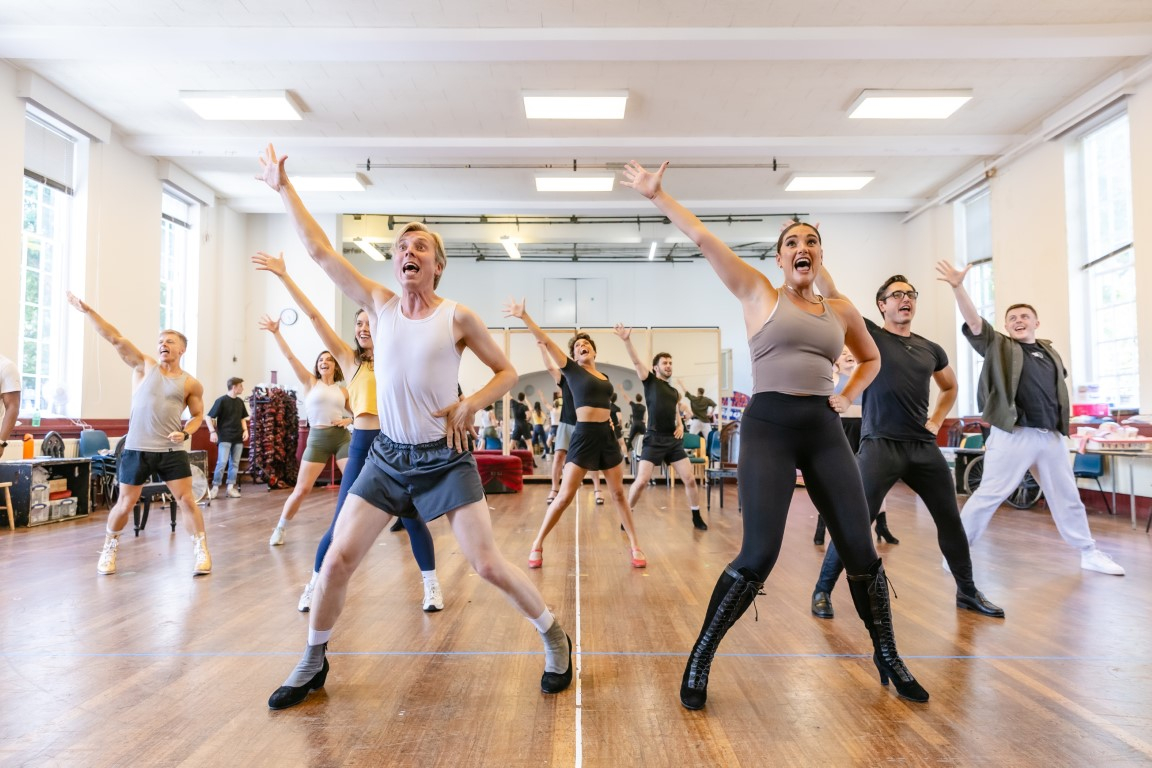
[[898, 438], [664, 439], [228, 427]]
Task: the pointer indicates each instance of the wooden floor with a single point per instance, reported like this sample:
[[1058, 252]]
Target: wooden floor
[[151, 667]]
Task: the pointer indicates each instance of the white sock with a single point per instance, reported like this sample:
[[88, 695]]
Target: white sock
[[429, 577], [556, 650], [318, 636], [544, 621]]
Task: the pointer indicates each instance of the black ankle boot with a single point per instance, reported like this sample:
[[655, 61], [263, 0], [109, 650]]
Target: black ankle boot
[[870, 596], [698, 522], [734, 592], [882, 531], [289, 696], [818, 538]]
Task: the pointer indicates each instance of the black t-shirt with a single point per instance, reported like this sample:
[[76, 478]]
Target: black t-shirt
[[1036, 400], [638, 413], [614, 417], [519, 411], [662, 399], [586, 389], [896, 402], [229, 413], [700, 406], [567, 405]]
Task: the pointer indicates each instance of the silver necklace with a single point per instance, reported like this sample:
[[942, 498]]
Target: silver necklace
[[819, 299]]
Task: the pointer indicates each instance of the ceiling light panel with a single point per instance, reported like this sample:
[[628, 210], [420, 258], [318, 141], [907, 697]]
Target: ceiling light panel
[[243, 105], [907, 105], [848, 182], [573, 183], [575, 105], [346, 183]]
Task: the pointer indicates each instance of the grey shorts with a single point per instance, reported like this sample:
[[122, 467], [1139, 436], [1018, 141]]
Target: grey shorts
[[326, 442], [425, 481], [564, 436]]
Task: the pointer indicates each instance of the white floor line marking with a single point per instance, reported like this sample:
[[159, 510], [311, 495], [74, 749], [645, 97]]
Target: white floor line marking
[[576, 657]]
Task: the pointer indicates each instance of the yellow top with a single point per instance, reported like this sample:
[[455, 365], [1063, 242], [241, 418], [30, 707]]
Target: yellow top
[[362, 391]]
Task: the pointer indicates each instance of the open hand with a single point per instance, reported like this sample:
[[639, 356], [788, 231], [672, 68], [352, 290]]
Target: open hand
[[273, 173], [266, 323], [949, 274], [622, 332], [512, 308], [643, 181], [268, 263], [78, 303], [458, 421]]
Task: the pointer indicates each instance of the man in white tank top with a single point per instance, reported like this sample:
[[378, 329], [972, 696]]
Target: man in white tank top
[[161, 390], [419, 464]]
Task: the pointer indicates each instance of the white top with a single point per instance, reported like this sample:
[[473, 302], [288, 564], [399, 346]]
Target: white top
[[484, 419], [324, 404], [9, 380], [417, 370]]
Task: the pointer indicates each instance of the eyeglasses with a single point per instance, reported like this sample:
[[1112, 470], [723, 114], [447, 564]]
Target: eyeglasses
[[898, 295]]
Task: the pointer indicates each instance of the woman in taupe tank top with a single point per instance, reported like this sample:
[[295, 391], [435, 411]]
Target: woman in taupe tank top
[[794, 335]]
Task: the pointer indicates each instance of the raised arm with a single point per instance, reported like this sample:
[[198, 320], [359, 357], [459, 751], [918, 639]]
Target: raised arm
[[513, 308], [955, 278], [307, 380], [460, 415], [862, 347], [355, 286], [339, 348], [625, 335], [826, 286], [549, 363], [945, 379], [742, 280], [128, 351]]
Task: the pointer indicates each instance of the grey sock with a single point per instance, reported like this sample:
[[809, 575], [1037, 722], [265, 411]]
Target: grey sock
[[556, 650], [312, 663]]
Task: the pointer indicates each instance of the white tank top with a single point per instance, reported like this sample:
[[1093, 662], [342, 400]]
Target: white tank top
[[417, 370], [324, 404]]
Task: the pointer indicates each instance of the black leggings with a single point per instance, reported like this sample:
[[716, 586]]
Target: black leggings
[[923, 468], [778, 435]]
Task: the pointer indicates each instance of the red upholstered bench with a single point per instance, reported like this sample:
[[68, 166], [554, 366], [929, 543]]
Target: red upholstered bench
[[499, 473], [525, 457]]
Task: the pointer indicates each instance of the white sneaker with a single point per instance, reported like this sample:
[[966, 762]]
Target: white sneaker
[[277, 537], [107, 564], [200, 552], [305, 603], [233, 492], [1100, 562], [433, 597], [213, 492]]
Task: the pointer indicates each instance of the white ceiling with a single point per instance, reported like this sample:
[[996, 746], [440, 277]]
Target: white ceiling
[[719, 83]]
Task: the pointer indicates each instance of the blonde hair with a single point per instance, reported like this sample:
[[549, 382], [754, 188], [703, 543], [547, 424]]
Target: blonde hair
[[177, 334], [441, 256]]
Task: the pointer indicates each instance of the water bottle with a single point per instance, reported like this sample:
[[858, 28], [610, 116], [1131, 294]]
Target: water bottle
[[36, 418]]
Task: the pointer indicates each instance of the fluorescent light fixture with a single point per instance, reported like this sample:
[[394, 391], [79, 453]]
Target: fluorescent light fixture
[[908, 105], [575, 105], [573, 183], [510, 246], [652, 251], [840, 182], [370, 249], [243, 105], [353, 183]]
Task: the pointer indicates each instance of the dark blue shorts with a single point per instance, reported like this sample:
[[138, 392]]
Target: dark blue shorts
[[136, 467], [426, 480]]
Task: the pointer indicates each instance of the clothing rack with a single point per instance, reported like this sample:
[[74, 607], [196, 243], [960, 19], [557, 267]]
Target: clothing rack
[[274, 436]]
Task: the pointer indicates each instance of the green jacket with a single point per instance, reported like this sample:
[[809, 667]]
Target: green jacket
[[1000, 376]]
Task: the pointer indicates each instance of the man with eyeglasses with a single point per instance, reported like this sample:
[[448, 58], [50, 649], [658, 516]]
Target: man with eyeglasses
[[1023, 396], [898, 438]]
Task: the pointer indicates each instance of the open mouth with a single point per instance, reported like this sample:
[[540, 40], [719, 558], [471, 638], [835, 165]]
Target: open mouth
[[411, 268], [801, 264]]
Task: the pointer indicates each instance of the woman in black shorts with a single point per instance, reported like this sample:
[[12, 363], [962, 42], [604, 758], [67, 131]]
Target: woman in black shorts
[[792, 422], [594, 444]]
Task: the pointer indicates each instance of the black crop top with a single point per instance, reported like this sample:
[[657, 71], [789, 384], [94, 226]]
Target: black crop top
[[587, 390]]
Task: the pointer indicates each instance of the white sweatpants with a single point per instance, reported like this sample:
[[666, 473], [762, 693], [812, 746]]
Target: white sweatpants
[[1007, 457]]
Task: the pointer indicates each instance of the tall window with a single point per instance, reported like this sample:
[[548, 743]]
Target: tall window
[[1108, 265], [974, 215], [179, 262], [49, 160]]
